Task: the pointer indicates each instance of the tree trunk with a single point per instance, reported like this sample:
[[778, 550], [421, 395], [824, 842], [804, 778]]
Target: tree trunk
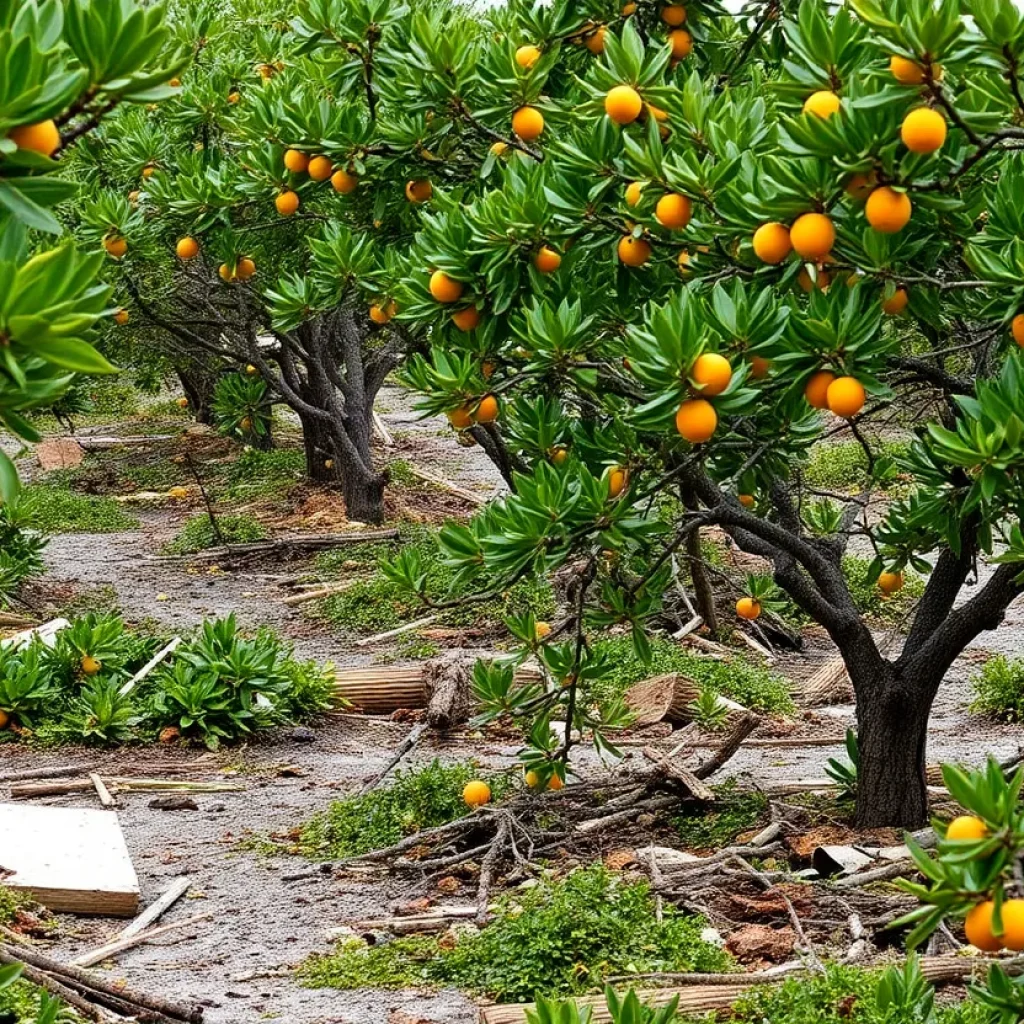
[[702, 588], [892, 733], [364, 496], [198, 387], [316, 439]]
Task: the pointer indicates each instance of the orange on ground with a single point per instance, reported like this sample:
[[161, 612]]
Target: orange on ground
[[122, 317], [595, 41], [681, 42], [116, 246], [178, 493], [846, 396], [287, 203], [320, 168], [246, 269], [890, 582], [634, 252], [445, 288], [748, 608], [896, 303], [182, 403], [923, 130], [887, 210], [759, 367], [466, 319], [488, 409], [712, 372], [527, 56], [673, 211], [746, 500], [251, 371], [90, 666], [343, 182], [978, 926], [633, 192], [528, 123], [673, 14], [696, 420], [823, 103], [966, 826], [187, 248], [812, 236], [816, 391], [623, 104], [296, 161], [418, 191], [461, 417], [772, 243], [226, 273], [617, 480], [547, 260], [1017, 329], [43, 138], [476, 793]]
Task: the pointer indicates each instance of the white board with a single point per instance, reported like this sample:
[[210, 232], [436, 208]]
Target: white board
[[70, 859]]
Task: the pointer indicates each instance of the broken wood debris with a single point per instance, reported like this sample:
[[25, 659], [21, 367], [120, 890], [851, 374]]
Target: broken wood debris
[[447, 485], [121, 945], [26, 790], [164, 652], [670, 698]]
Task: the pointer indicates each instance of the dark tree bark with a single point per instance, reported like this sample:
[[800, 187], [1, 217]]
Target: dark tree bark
[[198, 383]]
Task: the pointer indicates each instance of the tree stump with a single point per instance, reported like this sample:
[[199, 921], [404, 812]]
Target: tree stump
[[447, 681]]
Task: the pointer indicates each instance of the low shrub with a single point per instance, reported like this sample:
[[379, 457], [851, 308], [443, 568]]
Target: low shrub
[[999, 689], [560, 937], [417, 799], [198, 534], [54, 509], [21, 549], [733, 812], [843, 466], [264, 472]]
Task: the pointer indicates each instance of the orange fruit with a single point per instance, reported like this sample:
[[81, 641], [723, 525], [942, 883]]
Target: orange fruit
[[772, 243], [633, 193], [712, 373], [5, 720], [696, 420], [90, 666], [558, 454], [541, 630], [148, 171], [418, 191], [380, 314], [617, 478], [444, 288], [681, 42], [466, 319], [343, 182], [476, 793], [978, 926], [923, 130], [966, 826], [746, 500], [245, 424], [623, 104], [527, 56], [182, 403], [634, 252], [460, 418], [287, 203], [296, 161], [683, 262], [845, 396], [759, 367], [896, 303], [1013, 925], [43, 138], [823, 103], [246, 269], [816, 391], [320, 168], [547, 260], [673, 14], [528, 123], [555, 783], [122, 317], [1017, 329], [116, 246], [595, 41], [820, 281], [187, 248], [487, 368], [909, 72], [860, 185], [673, 211], [251, 371], [748, 608], [890, 582], [488, 409], [226, 273], [499, 148], [812, 236], [628, 10], [887, 210], [234, 97]]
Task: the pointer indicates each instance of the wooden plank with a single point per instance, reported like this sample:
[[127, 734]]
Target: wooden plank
[[101, 790], [69, 859]]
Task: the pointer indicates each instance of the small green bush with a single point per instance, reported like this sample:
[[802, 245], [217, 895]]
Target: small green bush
[[843, 466], [732, 813], [115, 397], [999, 689], [870, 600], [269, 472], [752, 685], [559, 938], [198, 534], [417, 799], [58, 510], [21, 549]]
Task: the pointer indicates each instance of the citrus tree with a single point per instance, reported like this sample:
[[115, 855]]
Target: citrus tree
[[700, 243], [63, 66]]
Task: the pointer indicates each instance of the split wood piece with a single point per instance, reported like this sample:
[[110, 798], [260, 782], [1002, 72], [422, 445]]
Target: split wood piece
[[164, 651], [319, 593], [312, 542], [398, 631], [55, 988], [686, 778], [687, 628], [34, 789], [119, 945], [668, 698], [152, 913], [101, 790], [10, 619], [448, 680], [382, 431], [436, 920], [60, 772], [447, 485], [132, 999], [756, 647], [47, 632], [829, 685]]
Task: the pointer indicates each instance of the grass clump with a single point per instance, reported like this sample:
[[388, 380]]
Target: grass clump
[[999, 689], [754, 686], [733, 812], [843, 466], [376, 603], [265, 472], [417, 799], [55, 509], [870, 600], [561, 938], [198, 534]]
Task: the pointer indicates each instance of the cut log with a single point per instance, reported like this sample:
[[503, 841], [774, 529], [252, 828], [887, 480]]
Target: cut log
[[448, 682], [829, 685], [668, 698]]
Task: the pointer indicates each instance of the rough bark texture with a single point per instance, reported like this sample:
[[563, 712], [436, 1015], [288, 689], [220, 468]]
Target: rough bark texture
[[448, 680]]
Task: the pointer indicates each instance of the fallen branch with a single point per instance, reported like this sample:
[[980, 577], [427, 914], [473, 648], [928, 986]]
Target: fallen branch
[[447, 485], [120, 945], [33, 789], [319, 594], [59, 772], [101, 790], [404, 747], [313, 542], [407, 628]]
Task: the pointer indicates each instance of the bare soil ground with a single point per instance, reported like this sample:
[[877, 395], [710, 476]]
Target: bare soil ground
[[239, 963]]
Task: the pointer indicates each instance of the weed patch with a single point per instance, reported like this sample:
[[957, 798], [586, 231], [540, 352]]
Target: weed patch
[[999, 689], [732, 813], [843, 466], [198, 534], [55, 509]]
